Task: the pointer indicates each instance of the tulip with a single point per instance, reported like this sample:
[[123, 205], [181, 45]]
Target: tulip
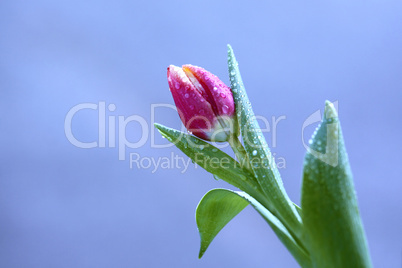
[[205, 104]]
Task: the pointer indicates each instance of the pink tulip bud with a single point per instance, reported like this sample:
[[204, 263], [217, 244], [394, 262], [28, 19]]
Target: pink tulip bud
[[205, 104]]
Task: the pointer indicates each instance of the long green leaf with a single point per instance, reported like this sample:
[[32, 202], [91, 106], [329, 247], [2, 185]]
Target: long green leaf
[[261, 159], [212, 159], [219, 206], [329, 207]]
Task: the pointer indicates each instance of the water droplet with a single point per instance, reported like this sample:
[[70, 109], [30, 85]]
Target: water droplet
[[215, 88], [202, 99], [201, 147], [202, 112], [225, 108], [186, 95], [255, 152], [187, 87], [223, 95], [177, 85], [232, 72], [192, 107], [214, 150]]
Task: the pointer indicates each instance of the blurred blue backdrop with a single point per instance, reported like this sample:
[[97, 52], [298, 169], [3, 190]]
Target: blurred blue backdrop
[[63, 206]]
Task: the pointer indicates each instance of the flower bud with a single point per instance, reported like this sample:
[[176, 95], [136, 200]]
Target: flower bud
[[205, 104]]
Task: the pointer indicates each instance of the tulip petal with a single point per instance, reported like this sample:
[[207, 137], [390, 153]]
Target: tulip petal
[[219, 95], [194, 110]]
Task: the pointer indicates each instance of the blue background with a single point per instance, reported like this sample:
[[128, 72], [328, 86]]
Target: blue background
[[62, 206]]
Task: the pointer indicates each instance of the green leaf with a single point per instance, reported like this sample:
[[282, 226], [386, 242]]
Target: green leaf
[[219, 206], [215, 210], [261, 160], [299, 210], [212, 159], [330, 212]]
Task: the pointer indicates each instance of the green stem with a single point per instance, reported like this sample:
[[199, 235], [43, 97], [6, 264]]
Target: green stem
[[239, 151], [243, 158]]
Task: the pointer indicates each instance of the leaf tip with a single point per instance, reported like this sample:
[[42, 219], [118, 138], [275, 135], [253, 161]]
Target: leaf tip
[[230, 52], [201, 253], [157, 125], [330, 111]]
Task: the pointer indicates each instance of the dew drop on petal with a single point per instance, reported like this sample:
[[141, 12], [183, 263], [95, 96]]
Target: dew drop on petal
[[192, 107], [186, 95], [223, 95], [215, 88], [255, 152], [201, 111], [202, 100], [225, 108], [177, 85]]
